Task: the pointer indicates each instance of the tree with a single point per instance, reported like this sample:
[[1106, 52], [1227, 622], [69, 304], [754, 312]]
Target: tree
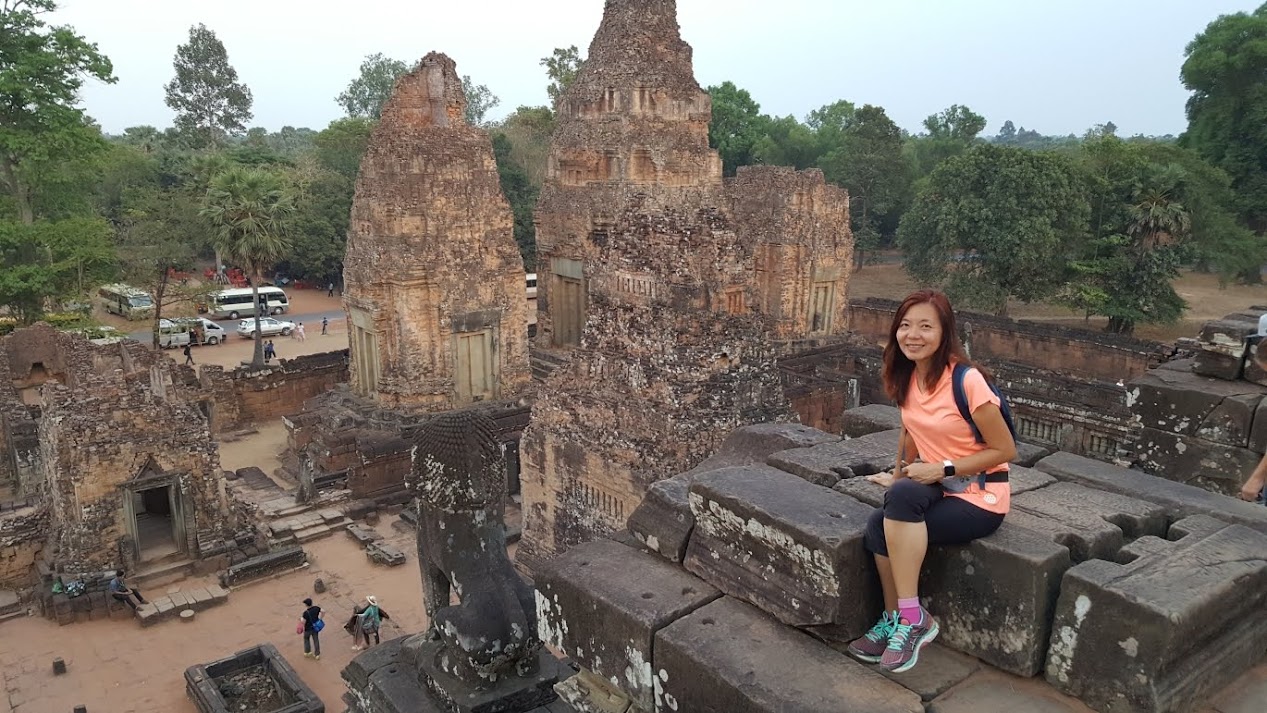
[[479, 101], [869, 163], [249, 208], [319, 226], [528, 130], [153, 244], [828, 124], [42, 68], [786, 142], [340, 146], [562, 66], [368, 93], [949, 134], [1226, 71], [996, 222], [209, 101], [736, 127], [521, 195], [51, 261]]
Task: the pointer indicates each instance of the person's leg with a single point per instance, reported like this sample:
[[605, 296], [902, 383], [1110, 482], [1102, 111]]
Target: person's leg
[[316, 644], [954, 521], [307, 642], [377, 640], [905, 534], [125, 599]]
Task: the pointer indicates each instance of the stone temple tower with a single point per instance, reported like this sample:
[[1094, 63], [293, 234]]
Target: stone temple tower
[[437, 315], [668, 292]]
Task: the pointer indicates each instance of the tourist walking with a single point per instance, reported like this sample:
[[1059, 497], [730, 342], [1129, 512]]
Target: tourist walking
[[950, 483], [270, 352], [121, 592], [312, 624], [370, 620], [299, 332], [189, 356], [325, 326], [330, 289]]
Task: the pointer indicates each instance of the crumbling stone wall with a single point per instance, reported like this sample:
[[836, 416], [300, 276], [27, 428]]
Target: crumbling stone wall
[[243, 396], [1085, 353], [434, 279], [22, 534], [672, 290]]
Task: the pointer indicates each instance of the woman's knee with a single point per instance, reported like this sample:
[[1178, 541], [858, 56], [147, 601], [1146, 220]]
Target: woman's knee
[[908, 500], [873, 536]]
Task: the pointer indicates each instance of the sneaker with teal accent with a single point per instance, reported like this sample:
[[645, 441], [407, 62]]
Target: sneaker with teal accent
[[871, 646], [904, 645]]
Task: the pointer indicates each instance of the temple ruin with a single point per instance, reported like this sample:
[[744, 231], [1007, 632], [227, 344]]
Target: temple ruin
[[437, 316], [666, 292]]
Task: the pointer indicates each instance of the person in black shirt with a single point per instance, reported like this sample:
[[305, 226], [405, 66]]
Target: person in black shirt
[[189, 357], [312, 635]]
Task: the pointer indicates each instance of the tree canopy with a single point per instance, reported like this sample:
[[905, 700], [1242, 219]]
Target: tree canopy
[[562, 66], [209, 101]]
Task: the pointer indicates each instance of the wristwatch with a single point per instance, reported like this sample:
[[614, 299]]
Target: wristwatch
[[948, 469]]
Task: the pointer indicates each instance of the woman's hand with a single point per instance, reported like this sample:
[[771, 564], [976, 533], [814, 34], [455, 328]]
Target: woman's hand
[[884, 479], [1251, 489], [926, 473]]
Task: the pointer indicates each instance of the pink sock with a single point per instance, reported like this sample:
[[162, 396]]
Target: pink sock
[[909, 610]]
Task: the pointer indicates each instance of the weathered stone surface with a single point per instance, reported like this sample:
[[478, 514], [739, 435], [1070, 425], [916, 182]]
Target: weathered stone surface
[[602, 603], [1222, 348], [1258, 431], [489, 636], [1212, 466], [731, 658], [1093, 524], [1191, 404], [434, 282], [791, 548], [663, 520], [1165, 630], [1021, 479], [1179, 499], [1246, 695], [870, 419], [1027, 454], [994, 597], [826, 464], [993, 692], [939, 670], [521, 692], [670, 291]]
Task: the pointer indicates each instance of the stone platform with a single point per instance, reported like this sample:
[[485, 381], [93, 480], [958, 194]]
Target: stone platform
[[729, 575]]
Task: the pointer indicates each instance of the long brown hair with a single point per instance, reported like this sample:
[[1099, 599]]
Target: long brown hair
[[898, 369]]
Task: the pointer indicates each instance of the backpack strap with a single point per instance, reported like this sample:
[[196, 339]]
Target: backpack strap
[[961, 398]]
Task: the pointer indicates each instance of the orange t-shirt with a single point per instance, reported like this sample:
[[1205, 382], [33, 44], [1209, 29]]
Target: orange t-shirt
[[940, 433]]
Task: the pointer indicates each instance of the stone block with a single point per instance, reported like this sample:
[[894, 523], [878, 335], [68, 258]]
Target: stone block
[[1258, 430], [1187, 459], [59, 666], [1187, 403], [867, 419], [662, 522], [1093, 524], [792, 548], [1027, 454], [1222, 348], [993, 692], [730, 657], [1169, 627], [753, 444], [602, 603], [1021, 479], [994, 597], [507, 693], [1180, 500], [828, 463], [939, 670]]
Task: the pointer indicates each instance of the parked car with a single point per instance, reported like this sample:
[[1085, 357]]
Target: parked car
[[268, 327]]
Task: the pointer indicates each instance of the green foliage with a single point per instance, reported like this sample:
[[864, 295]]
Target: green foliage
[[1226, 71], [42, 68], [949, 134], [340, 146], [562, 66], [868, 162], [249, 209], [52, 261], [479, 101], [786, 142], [319, 228], [995, 223], [737, 126], [522, 196], [528, 129], [365, 96], [209, 101]]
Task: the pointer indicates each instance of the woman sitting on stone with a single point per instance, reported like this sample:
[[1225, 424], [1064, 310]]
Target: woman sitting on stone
[[947, 488]]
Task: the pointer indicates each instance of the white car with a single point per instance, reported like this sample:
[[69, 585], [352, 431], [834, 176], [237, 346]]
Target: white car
[[268, 327]]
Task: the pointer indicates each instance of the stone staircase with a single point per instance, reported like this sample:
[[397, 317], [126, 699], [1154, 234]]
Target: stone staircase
[[543, 364], [298, 523], [160, 572]]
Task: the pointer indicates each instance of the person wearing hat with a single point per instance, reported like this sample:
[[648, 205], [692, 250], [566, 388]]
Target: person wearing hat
[[312, 629], [371, 619]]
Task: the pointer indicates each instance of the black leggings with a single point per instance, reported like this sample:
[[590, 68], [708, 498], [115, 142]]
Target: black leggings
[[950, 521]]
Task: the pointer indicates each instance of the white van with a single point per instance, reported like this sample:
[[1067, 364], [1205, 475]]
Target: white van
[[531, 280], [126, 301], [239, 302], [176, 333]]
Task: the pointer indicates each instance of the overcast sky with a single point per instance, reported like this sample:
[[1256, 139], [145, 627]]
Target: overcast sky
[[1057, 66]]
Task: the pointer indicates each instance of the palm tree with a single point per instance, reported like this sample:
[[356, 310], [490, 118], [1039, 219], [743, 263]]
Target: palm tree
[[248, 208], [1158, 219]]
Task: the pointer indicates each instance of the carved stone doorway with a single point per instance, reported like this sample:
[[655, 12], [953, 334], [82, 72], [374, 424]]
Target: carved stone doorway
[[154, 513]]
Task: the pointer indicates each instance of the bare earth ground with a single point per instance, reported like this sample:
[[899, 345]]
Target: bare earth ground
[[1206, 301]]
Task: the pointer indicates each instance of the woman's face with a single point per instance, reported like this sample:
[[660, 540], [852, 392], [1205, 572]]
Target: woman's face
[[919, 333]]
